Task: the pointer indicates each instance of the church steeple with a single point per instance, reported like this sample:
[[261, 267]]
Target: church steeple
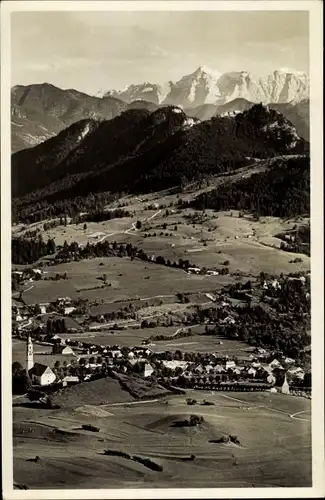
[[29, 354]]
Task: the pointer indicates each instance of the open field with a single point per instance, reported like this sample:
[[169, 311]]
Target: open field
[[274, 449], [249, 245], [128, 279], [202, 343], [129, 337]]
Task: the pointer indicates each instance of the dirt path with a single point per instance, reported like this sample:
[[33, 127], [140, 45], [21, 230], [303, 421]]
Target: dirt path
[[293, 415], [129, 230]]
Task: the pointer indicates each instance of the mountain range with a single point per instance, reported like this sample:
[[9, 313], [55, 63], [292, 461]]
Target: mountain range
[[206, 86], [143, 151], [40, 111]]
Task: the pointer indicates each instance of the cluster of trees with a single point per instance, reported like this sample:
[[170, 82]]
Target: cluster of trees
[[299, 241], [57, 277], [100, 216], [56, 325], [39, 206], [282, 192], [113, 249], [21, 381], [62, 221], [27, 251], [144, 461], [256, 327]]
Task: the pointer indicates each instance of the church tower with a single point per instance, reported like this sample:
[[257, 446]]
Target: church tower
[[29, 354]]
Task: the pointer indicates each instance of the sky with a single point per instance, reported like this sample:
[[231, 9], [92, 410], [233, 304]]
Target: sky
[[94, 51]]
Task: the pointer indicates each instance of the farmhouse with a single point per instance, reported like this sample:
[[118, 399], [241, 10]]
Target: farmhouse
[[145, 369], [252, 372], [172, 365], [41, 374], [43, 308], [68, 310], [193, 270], [63, 349], [230, 364], [69, 380], [275, 364]]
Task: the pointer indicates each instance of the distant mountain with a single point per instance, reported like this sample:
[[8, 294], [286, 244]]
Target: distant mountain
[[140, 151], [297, 114], [206, 86], [41, 111]]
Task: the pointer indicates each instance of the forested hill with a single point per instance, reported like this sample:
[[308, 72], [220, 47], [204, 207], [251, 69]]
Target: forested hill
[[281, 191], [140, 151]]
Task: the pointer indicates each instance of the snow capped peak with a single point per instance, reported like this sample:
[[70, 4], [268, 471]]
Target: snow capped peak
[[207, 86], [206, 70], [292, 71]]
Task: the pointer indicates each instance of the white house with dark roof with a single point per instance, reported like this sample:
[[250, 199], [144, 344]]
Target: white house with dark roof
[[41, 374]]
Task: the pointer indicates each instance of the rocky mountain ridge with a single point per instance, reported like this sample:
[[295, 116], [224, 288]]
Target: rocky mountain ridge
[[206, 86]]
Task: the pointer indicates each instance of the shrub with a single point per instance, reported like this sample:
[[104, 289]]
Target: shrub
[[89, 427]]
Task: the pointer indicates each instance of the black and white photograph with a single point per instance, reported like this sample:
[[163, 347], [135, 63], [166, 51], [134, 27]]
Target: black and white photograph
[[162, 258]]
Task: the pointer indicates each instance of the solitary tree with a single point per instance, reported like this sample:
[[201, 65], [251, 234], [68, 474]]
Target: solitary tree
[[138, 224]]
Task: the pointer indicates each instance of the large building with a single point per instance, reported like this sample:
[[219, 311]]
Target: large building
[[39, 374]]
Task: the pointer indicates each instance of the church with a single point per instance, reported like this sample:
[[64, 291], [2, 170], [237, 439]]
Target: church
[[39, 374]]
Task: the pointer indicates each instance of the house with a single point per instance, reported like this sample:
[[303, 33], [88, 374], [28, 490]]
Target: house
[[63, 349], [275, 364], [296, 373], [260, 350], [43, 308], [41, 374], [68, 310], [67, 350], [37, 272], [69, 380], [270, 378], [57, 338], [18, 273], [116, 353], [172, 365], [252, 371], [193, 270], [229, 320], [289, 361], [145, 369], [275, 284], [212, 273], [230, 364]]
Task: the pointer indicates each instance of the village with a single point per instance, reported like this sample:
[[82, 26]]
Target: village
[[52, 326]]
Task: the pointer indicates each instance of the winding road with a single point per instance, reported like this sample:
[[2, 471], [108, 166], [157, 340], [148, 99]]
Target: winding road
[[130, 229]]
